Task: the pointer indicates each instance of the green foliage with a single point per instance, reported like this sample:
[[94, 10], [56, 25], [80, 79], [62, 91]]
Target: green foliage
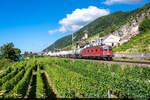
[[4, 63], [145, 25], [8, 70], [40, 91], [92, 80], [9, 76], [22, 86], [61, 84], [75, 79], [60, 43], [12, 82], [30, 55], [9, 52]]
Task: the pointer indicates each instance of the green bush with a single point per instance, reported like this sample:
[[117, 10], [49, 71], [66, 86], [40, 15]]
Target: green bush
[[22, 86], [4, 63], [11, 83], [40, 91], [8, 77], [7, 71]]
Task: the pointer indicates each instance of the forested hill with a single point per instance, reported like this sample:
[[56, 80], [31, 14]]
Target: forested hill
[[102, 26]]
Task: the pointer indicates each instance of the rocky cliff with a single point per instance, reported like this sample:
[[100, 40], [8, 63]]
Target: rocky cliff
[[131, 28]]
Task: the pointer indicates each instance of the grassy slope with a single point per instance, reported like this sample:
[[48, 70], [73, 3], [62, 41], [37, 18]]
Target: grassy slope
[[139, 43]]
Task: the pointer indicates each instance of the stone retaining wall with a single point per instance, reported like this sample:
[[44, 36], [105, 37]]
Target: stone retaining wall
[[138, 56]]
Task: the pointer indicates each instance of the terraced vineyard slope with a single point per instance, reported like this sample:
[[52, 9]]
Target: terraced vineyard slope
[[67, 78]]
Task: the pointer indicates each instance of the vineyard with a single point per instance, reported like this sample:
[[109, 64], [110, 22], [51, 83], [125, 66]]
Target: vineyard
[[67, 78]]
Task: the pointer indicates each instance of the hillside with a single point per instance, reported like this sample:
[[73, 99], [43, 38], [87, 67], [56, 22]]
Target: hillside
[[139, 43], [101, 27]]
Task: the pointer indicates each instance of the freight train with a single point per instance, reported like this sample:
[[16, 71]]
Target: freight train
[[97, 52]]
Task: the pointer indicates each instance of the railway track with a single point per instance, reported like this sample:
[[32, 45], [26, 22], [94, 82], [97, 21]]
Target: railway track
[[147, 64]]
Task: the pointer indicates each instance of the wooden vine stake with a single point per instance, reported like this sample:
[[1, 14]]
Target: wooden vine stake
[[108, 93]]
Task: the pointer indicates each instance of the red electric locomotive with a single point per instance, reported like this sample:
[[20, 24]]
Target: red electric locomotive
[[99, 52]]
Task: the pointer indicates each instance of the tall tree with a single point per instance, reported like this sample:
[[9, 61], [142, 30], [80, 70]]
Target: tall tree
[[26, 54], [9, 52]]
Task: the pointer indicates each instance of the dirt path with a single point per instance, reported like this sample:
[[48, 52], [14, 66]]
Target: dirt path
[[49, 91], [26, 96], [52, 85], [31, 92], [77, 94]]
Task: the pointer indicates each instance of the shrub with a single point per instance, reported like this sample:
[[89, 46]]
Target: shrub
[[5, 63]]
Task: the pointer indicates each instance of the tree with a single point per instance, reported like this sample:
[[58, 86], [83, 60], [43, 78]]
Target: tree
[[26, 54], [18, 53], [9, 52], [30, 54], [0, 55]]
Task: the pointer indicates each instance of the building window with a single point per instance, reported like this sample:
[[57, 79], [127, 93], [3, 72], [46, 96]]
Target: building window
[[96, 50], [112, 44]]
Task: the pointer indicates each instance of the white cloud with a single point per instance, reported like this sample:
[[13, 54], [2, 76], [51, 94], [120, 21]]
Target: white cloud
[[79, 18], [110, 2]]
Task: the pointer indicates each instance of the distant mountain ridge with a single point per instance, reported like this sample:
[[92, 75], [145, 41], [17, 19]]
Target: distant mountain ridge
[[101, 26]]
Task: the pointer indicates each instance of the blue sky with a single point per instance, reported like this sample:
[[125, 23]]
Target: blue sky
[[28, 23]]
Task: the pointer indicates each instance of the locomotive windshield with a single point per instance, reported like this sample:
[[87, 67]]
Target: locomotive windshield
[[104, 49]]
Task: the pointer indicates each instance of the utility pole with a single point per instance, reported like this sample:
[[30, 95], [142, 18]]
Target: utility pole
[[73, 37], [54, 47], [72, 40]]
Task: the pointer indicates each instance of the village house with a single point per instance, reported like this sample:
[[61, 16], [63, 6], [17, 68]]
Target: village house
[[111, 40], [81, 44]]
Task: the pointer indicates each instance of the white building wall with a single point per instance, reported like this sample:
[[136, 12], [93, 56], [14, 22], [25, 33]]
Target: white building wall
[[112, 40]]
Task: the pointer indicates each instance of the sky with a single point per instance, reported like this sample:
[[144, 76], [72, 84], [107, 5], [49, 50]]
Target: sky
[[32, 25]]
